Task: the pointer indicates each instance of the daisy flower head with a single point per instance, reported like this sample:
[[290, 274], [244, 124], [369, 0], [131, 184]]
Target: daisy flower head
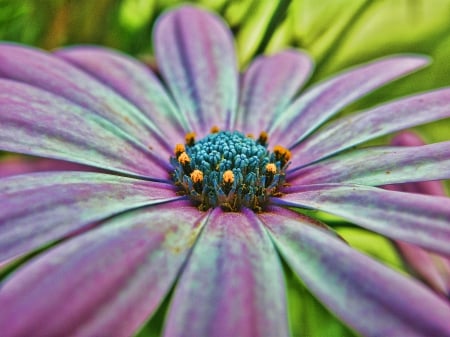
[[198, 176]]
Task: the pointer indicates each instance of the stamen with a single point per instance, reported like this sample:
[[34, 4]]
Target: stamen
[[214, 129], [229, 170], [179, 149], [250, 135], [184, 159], [271, 168], [263, 138], [190, 138], [185, 162], [282, 154], [228, 177], [197, 176]]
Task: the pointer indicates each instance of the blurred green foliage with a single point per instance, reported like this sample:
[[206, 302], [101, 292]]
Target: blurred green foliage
[[337, 33]]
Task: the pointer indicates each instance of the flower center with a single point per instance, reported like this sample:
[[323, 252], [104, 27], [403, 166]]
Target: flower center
[[229, 170]]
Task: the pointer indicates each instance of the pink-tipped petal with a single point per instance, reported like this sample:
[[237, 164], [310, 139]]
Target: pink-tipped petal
[[232, 284], [324, 100], [196, 56], [368, 296], [40, 208], [106, 282], [268, 86]]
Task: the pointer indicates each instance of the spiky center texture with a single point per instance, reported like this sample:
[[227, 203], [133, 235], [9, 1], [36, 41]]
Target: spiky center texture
[[229, 170]]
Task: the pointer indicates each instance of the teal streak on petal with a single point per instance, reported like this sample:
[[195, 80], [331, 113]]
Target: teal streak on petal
[[268, 86], [137, 83], [382, 120], [38, 209], [196, 56], [379, 166], [47, 72], [324, 100], [40, 123], [112, 278], [232, 284], [419, 219], [368, 296]]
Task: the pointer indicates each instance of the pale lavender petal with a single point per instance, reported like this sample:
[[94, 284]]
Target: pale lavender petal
[[36, 122], [324, 100], [40, 208], [14, 165], [106, 282], [432, 268], [46, 71], [368, 296], [268, 86], [233, 283], [134, 81], [379, 166], [355, 129], [419, 219], [196, 56]]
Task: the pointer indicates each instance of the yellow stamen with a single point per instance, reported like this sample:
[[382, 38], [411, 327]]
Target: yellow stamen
[[197, 176], [250, 135], [214, 129], [184, 159], [179, 149], [282, 154], [263, 138], [271, 168], [190, 138], [228, 177]]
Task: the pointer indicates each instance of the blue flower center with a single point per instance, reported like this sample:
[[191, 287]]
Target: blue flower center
[[229, 170]]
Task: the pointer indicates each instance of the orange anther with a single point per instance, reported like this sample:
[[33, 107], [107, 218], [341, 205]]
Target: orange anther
[[228, 177], [271, 168], [179, 149], [197, 176], [282, 154], [190, 138], [214, 129], [184, 159], [263, 138]]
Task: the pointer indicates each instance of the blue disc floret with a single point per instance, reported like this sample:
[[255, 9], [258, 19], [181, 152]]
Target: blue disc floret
[[229, 170]]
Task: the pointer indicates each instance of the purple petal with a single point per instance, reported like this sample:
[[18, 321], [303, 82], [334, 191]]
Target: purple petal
[[371, 298], [432, 268], [324, 100], [106, 282], [45, 71], [233, 283], [132, 80], [195, 52], [39, 123], [268, 86], [353, 130], [39, 208], [419, 219], [379, 166], [14, 165]]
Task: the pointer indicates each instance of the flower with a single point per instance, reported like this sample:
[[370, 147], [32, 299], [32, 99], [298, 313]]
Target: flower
[[432, 268], [175, 209]]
